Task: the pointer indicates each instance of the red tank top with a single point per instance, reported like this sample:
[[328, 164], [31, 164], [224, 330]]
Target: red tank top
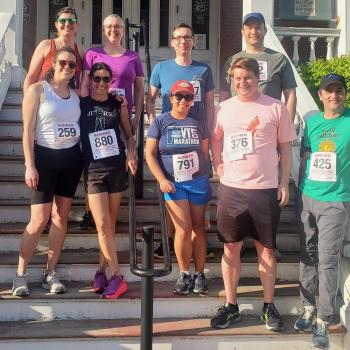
[[47, 64]]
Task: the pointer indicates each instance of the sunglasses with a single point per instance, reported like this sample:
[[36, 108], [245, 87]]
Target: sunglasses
[[106, 80], [67, 20], [187, 98], [65, 63]]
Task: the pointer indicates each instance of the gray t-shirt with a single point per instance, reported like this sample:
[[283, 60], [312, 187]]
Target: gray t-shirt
[[276, 73]]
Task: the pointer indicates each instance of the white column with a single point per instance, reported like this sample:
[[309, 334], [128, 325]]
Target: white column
[[14, 40], [295, 58], [312, 40], [343, 7], [329, 41], [266, 7]]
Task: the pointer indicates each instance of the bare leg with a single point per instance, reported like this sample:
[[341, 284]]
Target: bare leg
[[58, 229], [231, 270], [39, 215], [100, 208], [199, 238], [181, 216], [267, 270]]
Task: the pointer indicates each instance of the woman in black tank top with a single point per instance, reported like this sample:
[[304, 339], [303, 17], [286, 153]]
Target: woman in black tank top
[[105, 170]]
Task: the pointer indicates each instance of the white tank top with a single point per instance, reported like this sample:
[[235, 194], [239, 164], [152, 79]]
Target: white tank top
[[57, 122]]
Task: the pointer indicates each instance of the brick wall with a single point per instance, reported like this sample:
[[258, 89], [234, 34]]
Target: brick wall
[[230, 28]]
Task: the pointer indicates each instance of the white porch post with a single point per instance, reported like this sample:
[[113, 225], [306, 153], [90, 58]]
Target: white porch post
[[14, 40], [343, 7]]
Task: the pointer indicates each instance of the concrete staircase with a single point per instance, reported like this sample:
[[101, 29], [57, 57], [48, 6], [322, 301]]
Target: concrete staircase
[[79, 320]]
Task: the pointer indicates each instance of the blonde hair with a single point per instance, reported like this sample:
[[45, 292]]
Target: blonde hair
[[113, 15]]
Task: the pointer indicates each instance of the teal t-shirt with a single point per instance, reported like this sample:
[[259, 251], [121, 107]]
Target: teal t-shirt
[[328, 135]]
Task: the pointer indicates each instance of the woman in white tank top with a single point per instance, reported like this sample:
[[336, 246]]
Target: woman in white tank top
[[53, 162]]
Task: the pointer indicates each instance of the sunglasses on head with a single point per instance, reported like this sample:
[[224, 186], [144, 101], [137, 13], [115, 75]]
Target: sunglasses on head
[[67, 20], [187, 98], [105, 79], [65, 63]]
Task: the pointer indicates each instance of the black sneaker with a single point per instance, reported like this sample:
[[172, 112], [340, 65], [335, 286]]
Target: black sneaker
[[320, 339], [226, 315], [184, 284], [200, 284], [272, 319], [158, 253], [87, 222]]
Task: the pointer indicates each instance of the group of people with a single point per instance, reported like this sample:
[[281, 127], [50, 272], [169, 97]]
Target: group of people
[[249, 136]]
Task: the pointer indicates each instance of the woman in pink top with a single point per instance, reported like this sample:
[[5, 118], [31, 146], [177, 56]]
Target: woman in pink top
[[125, 64]]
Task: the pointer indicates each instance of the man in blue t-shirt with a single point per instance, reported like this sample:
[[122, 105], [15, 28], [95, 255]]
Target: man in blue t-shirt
[[182, 67]]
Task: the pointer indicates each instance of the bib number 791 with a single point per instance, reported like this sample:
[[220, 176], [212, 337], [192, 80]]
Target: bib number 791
[[185, 164]]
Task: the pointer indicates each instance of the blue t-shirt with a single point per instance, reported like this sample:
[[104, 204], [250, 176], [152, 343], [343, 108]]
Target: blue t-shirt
[[165, 73], [178, 136]]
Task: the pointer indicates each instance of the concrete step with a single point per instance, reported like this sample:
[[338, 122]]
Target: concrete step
[[169, 334], [17, 210], [11, 146], [9, 128], [11, 165], [14, 97], [79, 302], [81, 265], [10, 235], [11, 112]]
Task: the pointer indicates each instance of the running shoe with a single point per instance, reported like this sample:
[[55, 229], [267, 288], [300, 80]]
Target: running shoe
[[200, 284], [52, 283], [320, 339], [20, 286], [272, 319], [116, 287], [100, 282], [87, 222], [226, 315], [306, 320], [184, 284]]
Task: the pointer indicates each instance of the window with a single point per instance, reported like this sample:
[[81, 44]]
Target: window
[[118, 7], [144, 15], [164, 23], [54, 6], [96, 21], [200, 23]]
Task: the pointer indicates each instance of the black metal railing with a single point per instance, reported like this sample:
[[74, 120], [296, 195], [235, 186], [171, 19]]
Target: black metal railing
[[147, 272]]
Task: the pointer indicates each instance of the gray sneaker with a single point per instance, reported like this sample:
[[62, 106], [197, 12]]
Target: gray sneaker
[[320, 338], [200, 284], [306, 320], [20, 286], [52, 283]]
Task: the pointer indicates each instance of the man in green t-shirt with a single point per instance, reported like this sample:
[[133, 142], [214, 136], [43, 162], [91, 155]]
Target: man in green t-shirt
[[325, 186], [276, 73]]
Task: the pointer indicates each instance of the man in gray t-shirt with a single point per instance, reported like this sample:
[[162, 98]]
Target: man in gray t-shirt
[[276, 73]]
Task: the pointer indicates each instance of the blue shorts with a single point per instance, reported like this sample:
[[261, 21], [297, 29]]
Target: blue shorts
[[196, 191]]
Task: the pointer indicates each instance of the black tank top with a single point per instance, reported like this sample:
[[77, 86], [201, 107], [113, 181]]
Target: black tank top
[[98, 116]]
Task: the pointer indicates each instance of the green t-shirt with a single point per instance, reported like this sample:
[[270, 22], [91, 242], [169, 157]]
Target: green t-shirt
[[276, 73], [328, 135]]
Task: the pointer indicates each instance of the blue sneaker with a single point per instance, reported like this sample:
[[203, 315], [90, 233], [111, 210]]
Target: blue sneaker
[[320, 338], [306, 320]]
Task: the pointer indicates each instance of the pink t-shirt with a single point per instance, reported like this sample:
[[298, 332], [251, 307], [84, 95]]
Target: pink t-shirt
[[124, 68], [255, 129]]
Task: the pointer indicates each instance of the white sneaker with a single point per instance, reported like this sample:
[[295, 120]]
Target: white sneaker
[[52, 283], [20, 286]]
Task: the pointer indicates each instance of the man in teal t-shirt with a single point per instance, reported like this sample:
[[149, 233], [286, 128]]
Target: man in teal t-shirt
[[325, 186]]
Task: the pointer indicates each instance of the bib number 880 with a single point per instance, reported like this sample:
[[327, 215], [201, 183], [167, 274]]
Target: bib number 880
[[103, 141]]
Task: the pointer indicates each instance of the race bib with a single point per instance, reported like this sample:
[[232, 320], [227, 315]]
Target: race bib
[[117, 91], [185, 165], [66, 131], [323, 166], [197, 90], [104, 144], [239, 144], [263, 70]]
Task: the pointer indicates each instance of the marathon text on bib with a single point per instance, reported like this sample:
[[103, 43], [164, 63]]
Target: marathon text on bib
[[182, 136], [263, 70], [104, 144], [323, 166], [239, 144], [197, 90], [185, 165], [66, 131]]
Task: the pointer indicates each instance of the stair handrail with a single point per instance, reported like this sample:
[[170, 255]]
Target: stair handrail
[[5, 66]]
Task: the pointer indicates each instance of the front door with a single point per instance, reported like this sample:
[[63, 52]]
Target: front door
[[161, 15]]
